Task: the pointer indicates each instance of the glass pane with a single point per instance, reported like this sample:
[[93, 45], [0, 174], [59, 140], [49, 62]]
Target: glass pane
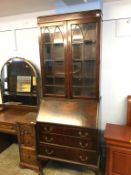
[[89, 31], [54, 90], [47, 51], [58, 52], [77, 51], [54, 76], [84, 59], [58, 47], [58, 38], [77, 35], [48, 34]]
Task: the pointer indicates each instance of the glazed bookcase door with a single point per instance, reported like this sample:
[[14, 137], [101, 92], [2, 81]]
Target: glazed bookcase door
[[53, 59], [84, 37]]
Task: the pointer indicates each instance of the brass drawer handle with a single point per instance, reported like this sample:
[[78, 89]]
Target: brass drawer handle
[[49, 152], [48, 130], [83, 145], [48, 139], [83, 159], [82, 134]]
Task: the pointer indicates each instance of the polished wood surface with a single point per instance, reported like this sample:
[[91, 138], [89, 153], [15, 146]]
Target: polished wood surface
[[27, 145], [11, 114], [20, 120], [81, 113], [118, 140], [68, 70], [69, 56], [67, 131], [118, 133], [69, 16]]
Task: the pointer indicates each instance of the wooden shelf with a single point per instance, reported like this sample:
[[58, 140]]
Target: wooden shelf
[[54, 60], [84, 42], [51, 43], [54, 85], [83, 59]]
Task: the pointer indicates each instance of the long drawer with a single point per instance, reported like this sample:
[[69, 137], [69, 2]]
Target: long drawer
[[8, 128], [70, 141], [66, 153], [46, 128]]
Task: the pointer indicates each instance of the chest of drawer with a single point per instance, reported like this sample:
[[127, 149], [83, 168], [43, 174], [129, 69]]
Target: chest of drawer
[[26, 134], [67, 153], [46, 128], [70, 141]]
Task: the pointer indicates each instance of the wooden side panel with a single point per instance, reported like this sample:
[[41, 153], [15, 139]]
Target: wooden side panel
[[129, 110], [119, 162]]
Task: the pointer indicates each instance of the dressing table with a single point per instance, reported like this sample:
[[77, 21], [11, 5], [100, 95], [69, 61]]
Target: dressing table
[[18, 112]]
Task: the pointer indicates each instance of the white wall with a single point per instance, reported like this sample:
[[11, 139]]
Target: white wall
[[115, 62]]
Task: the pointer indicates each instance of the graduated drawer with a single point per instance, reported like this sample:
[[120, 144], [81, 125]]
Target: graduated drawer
[[28, 156], [8, 128], [67, 153], [81, 143], [45, 128]]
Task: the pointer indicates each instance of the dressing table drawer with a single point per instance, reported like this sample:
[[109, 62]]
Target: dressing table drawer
[[8, 128]]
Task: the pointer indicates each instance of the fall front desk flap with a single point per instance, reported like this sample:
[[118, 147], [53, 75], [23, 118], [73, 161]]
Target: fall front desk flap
[[83, 113]]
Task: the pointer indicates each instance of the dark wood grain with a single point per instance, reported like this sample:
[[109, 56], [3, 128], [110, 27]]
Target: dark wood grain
[[68, 130], [69, 16], [118, 140], [68, 126], [67, 20], [81, 113], [27, 145], [20, 120]]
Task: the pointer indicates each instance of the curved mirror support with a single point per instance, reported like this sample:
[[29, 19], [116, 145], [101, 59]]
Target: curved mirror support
[[19, 82]]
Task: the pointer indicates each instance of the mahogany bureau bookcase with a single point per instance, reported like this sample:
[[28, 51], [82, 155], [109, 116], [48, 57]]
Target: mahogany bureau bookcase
[[67, 123]]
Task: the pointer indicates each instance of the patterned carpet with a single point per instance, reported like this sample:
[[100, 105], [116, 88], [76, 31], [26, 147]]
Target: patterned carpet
[[9, 165]]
